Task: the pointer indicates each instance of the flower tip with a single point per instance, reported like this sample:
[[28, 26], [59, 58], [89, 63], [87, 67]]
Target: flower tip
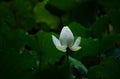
[[66, 27]]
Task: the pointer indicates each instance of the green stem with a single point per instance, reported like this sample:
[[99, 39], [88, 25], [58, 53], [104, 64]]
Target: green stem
[[68, 65], [67, 59]]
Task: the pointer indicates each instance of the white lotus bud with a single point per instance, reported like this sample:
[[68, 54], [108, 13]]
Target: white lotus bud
[[66, 40]]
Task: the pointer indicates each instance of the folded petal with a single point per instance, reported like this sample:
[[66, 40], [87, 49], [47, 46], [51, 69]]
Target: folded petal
[[58, 44], [56, 41], [61, 48], [66, 36], [77, 42], [73, 48], [76, 46]]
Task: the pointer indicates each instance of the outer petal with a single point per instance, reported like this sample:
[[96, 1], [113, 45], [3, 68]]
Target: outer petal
[[76, 46], [56, 41], [77, 42], [66, 36], [58, 44], [61, 48]]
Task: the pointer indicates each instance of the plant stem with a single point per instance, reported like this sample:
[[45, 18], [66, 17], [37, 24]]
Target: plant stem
[[68, 65]]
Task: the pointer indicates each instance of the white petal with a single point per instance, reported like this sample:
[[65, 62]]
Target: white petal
[[66, 36], [76, 46], [61, 48], [56, 41], [58, 44], [77, 42]]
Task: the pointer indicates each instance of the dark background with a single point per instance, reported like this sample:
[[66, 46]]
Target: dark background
[[27, 50]]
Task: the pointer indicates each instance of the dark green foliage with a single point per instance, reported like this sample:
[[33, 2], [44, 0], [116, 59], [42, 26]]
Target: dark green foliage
[[27, 50], [100, 26], [107, 69]]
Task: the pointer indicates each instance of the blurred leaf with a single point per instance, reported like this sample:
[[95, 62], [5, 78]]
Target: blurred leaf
[[107, 69], [6, 15], [113, 52], [64, 5], [100, 26], [85, 13], [78, 30], [116, 52], [66, 19], [90, 48], [114, 15], [49, 52], [78, 65], [55, 72], [33, 43], [113, 12], [107, 42], [23, 14], [21, 6], [26, 22], [17, 65], [107, 4], [13, 39], [44, 16]]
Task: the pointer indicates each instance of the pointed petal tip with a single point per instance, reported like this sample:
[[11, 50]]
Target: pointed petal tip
[[79, 37], [52, 36], [66, 27], [56, 41], [77, 42]]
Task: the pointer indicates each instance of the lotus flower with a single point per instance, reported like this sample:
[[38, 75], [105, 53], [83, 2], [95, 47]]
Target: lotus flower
[[66, 40]]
